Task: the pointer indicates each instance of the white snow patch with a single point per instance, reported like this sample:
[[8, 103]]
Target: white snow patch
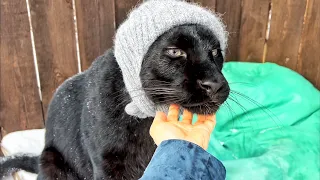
[[26, 142]]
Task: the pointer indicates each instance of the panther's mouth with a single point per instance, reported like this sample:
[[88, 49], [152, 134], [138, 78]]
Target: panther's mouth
[[205, 107]]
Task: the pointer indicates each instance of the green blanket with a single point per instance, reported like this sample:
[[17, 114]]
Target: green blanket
[[278, 142]]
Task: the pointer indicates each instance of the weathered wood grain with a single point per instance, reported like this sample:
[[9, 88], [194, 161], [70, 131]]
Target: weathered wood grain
[[294, 41], [285, 32], [309, 54], [20, 105], [54, 34], [254, 20], [96, 28], [231, 15], [122, 8]]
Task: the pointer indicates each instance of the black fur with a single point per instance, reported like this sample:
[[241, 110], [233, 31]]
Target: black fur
[[88, 133], [11, 164], [161, 74]]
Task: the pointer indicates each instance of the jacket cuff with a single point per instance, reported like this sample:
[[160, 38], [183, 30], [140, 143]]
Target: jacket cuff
[[179, 159]]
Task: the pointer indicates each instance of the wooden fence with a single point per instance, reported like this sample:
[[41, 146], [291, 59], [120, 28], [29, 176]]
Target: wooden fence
[[43, 42]]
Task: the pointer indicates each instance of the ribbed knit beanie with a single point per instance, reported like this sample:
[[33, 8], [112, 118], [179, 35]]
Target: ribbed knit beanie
[[143, 26]]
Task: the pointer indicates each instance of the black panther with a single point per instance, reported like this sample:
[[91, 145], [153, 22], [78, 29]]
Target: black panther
[[88, 133], [91, 132]]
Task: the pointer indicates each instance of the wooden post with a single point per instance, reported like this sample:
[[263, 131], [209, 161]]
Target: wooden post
[[20, 105]]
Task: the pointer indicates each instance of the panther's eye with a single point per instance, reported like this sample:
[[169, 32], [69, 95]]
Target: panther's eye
[[214, 52], [175, 53]]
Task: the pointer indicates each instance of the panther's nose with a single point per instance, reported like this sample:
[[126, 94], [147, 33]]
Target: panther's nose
[[209, 86]]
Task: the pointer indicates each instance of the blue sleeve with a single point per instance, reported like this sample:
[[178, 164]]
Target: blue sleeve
[[178, 159]]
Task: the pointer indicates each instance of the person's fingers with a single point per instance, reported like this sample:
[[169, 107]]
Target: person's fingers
[[210, 124], [187, 117], [160, 117], [203, 118], [211, 117], [210, 121], [173, 113]]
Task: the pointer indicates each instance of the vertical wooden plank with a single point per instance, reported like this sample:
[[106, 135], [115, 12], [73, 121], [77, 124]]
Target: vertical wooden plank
[[54, 35], [285, 31], [231, 11], [309, 54], [20, 106], [96, 28], [122, 8], [254, 20], [1, 128]]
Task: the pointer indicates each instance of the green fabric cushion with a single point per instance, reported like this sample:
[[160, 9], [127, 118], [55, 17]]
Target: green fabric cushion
[[278, 141]]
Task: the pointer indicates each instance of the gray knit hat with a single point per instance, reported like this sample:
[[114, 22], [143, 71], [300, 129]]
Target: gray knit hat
[[142, 27]]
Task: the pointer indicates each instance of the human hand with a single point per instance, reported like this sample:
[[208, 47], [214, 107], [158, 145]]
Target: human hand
[[169, 127]]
